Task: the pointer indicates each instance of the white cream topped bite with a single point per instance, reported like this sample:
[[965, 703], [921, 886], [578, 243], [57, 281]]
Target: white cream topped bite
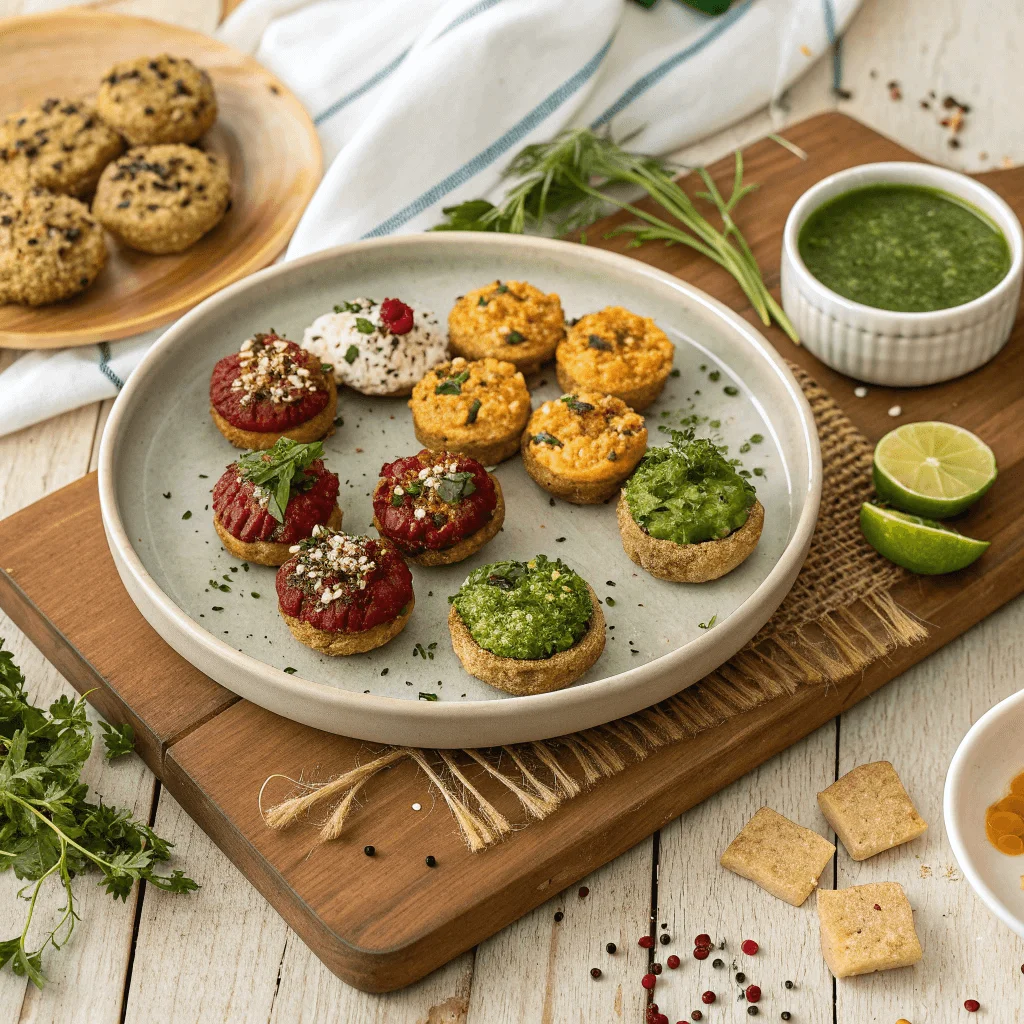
[[378, 348]]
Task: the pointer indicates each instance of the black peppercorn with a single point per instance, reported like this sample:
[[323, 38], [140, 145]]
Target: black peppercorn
[[741, 977], [665, 939], [753, 1011], [789, 984], [655, 968], [369, 850], [595, 972], [559, 915], [718, 963], [431, 861], [610, 947]]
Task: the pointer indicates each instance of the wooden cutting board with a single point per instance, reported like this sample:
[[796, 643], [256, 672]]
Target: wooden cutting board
[[383, 922]]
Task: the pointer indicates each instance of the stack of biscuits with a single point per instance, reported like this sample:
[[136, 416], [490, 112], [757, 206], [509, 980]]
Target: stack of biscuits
[[131, 152]]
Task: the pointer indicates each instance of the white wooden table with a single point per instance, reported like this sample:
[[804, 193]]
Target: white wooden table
[[223, 954]]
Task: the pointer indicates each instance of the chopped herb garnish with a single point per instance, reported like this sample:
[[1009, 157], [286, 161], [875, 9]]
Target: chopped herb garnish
[[474, 411], [351, 354], [384, 671], [364, 326], [254, 594], [279, 471], [596, 341], [514, 338], [610, 601], [428, 696], [186, 515], [439, 519], [339, 421], [291, 671], [481, 301], [744, 448], [714, 375], [502, 288], [217, 608], [559, 540], [729, 389], [452, 385], [545, 438], [756, 438], [348, 307], [613, 455], [674, 373], [167, 494], [326, 367], [118, 740], [758, 471], [709, 623], [203, 476], [576, 406], [456, 486]]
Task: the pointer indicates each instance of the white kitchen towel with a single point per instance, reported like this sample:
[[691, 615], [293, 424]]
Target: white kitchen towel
[[421, 104]]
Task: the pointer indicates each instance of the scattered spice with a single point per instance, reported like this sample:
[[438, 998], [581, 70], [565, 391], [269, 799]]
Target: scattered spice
[[740, 977], [753, 1011], [701, 953], [656, 968], [649, 981], [708, 997], [369, 850], [559, 915], [696, 1015], [584, 892], [645, 942], [666, 938], [431, 861], [753, 993], [610, 948], [789, 984], [718, 963], [595, 972], [702, 940], [750, 947], [972, 1005], [672, 962]]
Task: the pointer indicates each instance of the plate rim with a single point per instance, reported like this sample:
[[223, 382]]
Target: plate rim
[[407, 716], [269, 250]]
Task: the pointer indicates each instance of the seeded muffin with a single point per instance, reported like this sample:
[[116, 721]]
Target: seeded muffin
[[162, 199], [344, 595], [271, 389], [686, 515], [581, 447], [61, 145], [526, 627], [509, 320], [478, 408], [152, 100], [616, 353], [50, 247]]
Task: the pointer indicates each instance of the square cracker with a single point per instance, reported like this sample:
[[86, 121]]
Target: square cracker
[[782, 857], [867, 928], [870, 811]]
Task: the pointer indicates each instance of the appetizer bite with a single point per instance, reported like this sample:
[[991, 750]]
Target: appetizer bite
[[509, 320], [582, 446], [341, 594], [271, 389], [526, 627], [269, 500], [377, 349], [686, 515], [478, 408], [616, 353], [437, 507]]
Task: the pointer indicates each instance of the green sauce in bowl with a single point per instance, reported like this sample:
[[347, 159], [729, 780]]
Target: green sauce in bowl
[[906, 248]]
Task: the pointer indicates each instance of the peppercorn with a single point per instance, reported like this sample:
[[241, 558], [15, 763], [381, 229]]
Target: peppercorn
[[972, 1005], [645, 942], [750, 947], [431, 861], [701, 953], [753, 1011], [655, 968], [559, 915], [753, 994], [595, 972], [696, 1015], [789, 984], [610, 948], [584, 892], [741, 977], [708, 997], [702, 940], [673, 961], [649, 981], [665, 939], [718, 963], [369, 851]]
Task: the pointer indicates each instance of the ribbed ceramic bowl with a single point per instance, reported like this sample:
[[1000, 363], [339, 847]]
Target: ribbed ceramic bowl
[[900, 349]]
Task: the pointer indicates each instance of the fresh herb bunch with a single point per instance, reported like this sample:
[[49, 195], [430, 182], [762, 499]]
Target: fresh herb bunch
[[47, 827], [566, 181], [279, 470]]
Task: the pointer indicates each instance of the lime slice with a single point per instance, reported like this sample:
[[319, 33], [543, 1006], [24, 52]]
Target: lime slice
[[932, 469], [918, 544]]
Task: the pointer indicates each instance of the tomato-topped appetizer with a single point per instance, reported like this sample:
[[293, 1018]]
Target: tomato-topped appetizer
[[269, 500], [437, 507], [341, 594], [269, 389]]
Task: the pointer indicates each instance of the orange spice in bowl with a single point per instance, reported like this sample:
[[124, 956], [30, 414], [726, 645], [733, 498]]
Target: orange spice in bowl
[[1004, 820]]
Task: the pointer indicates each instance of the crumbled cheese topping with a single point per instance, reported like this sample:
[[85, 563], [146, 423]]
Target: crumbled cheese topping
[[269, 372], [331, 562]]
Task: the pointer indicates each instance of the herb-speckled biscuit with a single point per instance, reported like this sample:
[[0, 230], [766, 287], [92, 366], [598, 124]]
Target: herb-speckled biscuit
[[151, 100], [60, 144], [50, 247], [162, 199]]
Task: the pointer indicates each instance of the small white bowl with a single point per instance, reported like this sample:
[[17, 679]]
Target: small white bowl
[[900, 349], [988, 757]]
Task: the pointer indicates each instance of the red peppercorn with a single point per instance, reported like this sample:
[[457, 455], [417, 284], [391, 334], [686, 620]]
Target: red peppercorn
[[652, 1012], [660, 1018], [696, 1015], [645, 942], [673, 961], [972, 1005], [649, 981], [753, 994], [584, 892], [702, 940], [708, 997], [750, 947], [655, 968], [701, 953], [595, 972], [396, 316]]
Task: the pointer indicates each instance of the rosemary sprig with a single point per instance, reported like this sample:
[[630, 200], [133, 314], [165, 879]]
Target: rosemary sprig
[[567, 182]]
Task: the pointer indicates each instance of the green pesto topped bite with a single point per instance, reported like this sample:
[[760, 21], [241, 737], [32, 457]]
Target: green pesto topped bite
[[686, 514], [526, 627]]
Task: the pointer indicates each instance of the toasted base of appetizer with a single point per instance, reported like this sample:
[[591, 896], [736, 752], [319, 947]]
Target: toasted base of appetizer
[[338, 644], [576, 491], [468, 545], [315, 429], [689, 563], [264, 552], [488, 453], [637, 399], [523, 676]]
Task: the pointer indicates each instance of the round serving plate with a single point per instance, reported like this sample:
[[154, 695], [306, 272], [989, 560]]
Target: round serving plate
[[262, 131], [161, 456]]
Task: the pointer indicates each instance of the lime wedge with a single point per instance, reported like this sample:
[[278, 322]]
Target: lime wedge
[[918, 544], [932, 469]]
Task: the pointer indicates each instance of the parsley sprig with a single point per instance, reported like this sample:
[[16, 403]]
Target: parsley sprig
[[49, 829], [279, 470]]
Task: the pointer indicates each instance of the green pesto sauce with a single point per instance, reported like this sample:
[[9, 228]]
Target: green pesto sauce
[[524, 610], [687, 492], [907, 248]]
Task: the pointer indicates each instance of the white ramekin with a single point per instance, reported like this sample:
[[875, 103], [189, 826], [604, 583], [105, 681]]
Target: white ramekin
[[900, 349]]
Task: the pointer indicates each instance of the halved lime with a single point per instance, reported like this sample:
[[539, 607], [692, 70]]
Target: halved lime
[[932, 469], [918, 544]]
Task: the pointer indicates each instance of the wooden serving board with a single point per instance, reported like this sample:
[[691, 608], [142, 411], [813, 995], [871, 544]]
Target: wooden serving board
[[383, 922]]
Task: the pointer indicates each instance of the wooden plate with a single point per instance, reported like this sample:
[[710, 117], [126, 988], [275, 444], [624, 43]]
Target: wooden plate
[[262, 130]]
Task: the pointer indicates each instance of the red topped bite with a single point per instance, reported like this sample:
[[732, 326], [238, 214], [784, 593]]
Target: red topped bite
[[432, 501], [343, 584], [269, 385], [243, 510]]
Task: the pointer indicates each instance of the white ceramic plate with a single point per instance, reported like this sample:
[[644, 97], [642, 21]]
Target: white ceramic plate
[[159, 440], [989, 756]]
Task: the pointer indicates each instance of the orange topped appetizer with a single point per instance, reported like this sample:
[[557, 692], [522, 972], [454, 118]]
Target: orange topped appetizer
[[581, 447], [271, 389], [509, 320], [616, 353], [269, 500], [478, 408], [344, 595], [437, 507]]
